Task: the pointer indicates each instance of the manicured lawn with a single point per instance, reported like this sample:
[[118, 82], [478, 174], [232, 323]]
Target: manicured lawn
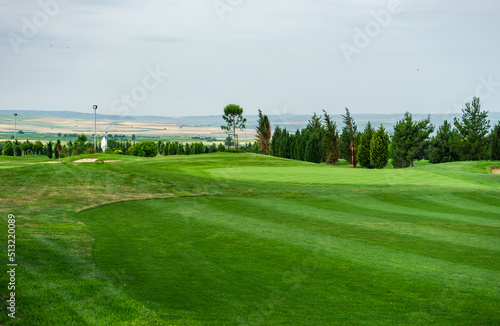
[[247, 239]]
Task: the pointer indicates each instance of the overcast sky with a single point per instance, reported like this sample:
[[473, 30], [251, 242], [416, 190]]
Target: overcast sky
[[193, 57]]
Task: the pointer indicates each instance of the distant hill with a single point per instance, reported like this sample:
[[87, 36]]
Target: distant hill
[[289, 121]]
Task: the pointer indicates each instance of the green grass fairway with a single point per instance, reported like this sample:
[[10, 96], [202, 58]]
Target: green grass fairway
[[228, 239]]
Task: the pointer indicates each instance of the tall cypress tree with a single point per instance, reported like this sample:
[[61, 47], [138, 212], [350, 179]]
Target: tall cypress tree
[[49, 149], [348, 136], [379, 148], [364, 146]]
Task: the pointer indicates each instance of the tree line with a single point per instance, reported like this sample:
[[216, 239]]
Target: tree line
[[321, 142], [469, 139]]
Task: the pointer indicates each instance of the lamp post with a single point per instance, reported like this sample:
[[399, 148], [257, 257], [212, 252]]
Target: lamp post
[[95, 127], [15, 127]]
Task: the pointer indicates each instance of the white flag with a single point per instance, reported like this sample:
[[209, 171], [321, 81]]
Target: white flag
[[104, 144]]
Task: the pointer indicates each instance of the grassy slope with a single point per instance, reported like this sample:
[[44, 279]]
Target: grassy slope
[[254, 251]]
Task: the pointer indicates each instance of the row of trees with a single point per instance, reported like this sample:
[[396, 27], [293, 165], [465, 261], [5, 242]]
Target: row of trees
[[149, 148], [320, 141]]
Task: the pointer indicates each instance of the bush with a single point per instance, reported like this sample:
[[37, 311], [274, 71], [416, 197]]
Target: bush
[[118, 151], [221, 148]]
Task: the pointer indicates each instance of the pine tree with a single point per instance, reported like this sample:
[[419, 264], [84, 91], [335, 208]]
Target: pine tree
[[364, 146], [410, 140], [442, 147], [379, 148], [473, 130]]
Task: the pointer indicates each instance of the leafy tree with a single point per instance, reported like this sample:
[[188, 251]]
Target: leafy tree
[[332, 139], [181, 149], [263, 135], [17, 150], [133, 137], [349, 136], [80, 143], [495, 143], [213, 148], [442, 146], [24, 148], [38, 147], [146, 148], [364, 145], [473, 130], [187, 149], [233, 115], [8, 149], [379, 148], [409, 140]]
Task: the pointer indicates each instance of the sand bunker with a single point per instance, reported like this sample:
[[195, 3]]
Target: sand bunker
[[495, 171], [85, 160], [91, 160]]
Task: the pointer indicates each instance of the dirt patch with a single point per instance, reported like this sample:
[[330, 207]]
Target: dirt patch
[[495, 171], [50, 162]]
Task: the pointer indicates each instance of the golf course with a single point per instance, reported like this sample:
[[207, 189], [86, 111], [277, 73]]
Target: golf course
[[248, 239]]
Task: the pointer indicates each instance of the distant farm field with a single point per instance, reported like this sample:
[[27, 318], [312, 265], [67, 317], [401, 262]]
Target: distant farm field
[[228, 239]]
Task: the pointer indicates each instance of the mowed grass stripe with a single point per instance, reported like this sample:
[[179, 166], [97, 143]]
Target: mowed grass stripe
[[193, 261], [361, 218], [326, 174], [437, 249], [408, 204], [402, 263]]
